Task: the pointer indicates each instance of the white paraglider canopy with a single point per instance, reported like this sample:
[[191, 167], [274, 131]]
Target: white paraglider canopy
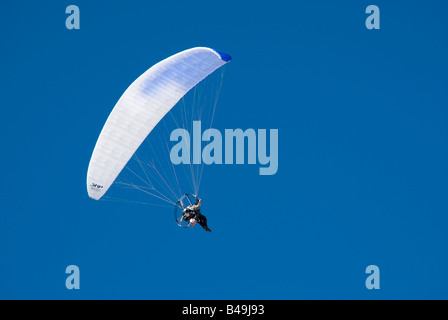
[[147, 100]]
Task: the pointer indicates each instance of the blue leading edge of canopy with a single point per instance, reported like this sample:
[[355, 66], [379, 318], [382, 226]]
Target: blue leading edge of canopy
[[224, 56]]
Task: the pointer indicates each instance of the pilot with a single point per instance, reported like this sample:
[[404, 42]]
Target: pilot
[[193, 214]]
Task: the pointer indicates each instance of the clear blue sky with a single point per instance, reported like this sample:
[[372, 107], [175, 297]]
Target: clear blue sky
[[362, 119]]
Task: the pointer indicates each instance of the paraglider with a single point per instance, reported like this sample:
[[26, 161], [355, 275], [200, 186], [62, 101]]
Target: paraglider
[[190, 213], [141, 107]]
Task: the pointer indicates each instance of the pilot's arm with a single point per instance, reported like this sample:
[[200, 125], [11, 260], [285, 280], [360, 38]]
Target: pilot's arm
[[197, 206]]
